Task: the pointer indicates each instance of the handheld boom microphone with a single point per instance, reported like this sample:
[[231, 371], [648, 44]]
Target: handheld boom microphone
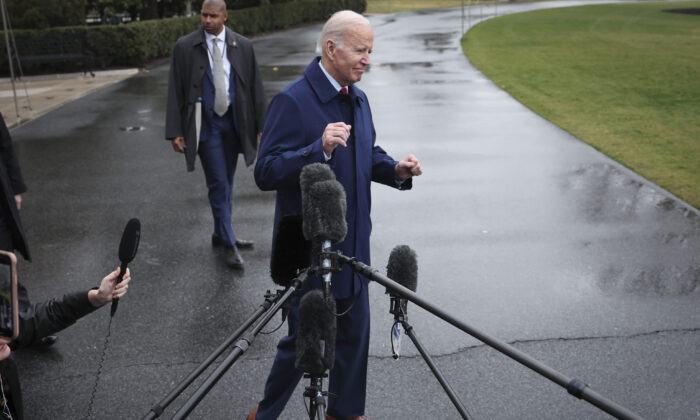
[[127, 251], [290, 251], [403, 269], [323, 206], [316, 336]]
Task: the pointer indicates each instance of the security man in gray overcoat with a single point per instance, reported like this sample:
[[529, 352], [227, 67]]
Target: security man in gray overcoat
[[216, 109]]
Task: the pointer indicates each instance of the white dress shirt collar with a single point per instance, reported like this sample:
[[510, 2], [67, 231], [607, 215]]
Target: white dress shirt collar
[[334, 82]]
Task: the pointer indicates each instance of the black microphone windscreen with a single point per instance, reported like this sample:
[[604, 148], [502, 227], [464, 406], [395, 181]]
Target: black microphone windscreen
[[315, 343], [130, 241], [323, 209], [403, 267], [290, 250], [313, 173]]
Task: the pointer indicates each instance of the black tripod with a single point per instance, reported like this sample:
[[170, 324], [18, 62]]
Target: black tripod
[[272, 304], [398, 308], [316, 395], [575, 387]]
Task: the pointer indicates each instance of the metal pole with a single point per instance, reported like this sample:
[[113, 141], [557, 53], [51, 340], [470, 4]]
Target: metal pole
[[9, 56], [241, 347], [158, 409], [469, 14], [574, 386], [436, 372]]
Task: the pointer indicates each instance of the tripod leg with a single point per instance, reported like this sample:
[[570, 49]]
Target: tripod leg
[[443, 382]]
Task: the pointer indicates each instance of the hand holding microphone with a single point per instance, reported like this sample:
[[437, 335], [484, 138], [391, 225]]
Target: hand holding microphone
[[109, 289]]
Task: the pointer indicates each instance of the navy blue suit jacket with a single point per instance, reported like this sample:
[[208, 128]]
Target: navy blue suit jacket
[[291, 139]]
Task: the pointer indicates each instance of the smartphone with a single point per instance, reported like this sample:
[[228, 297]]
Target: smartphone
[[9, 308]]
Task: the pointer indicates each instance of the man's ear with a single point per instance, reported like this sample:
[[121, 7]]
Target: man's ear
[[330, 48]]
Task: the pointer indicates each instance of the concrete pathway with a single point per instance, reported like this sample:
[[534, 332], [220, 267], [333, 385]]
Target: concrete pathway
[[521, 230], [34, 96]]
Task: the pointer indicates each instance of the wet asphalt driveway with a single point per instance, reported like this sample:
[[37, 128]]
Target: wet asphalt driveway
[[521, 230]]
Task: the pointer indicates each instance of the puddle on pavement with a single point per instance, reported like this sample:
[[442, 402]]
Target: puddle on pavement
[[439, 42], [407, 66], [660, 280], [272, 73]]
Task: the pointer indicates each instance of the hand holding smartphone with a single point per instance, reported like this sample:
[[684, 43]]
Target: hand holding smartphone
[[9, 310]]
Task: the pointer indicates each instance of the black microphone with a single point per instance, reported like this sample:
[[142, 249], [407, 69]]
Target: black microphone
[[315, 340], [323, 205], [127, 251], [290, 250], [403, 269]]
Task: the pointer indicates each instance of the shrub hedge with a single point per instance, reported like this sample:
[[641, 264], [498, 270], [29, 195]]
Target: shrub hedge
[[135, 44]]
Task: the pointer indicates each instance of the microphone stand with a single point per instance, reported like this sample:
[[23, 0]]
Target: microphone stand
[[574, 386], [270, 299], [398, 309], [241, 347], [327, 267], [316, 395]]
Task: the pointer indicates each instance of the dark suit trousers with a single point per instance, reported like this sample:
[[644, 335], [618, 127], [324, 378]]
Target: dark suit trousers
[[348, 378], [218, 152]]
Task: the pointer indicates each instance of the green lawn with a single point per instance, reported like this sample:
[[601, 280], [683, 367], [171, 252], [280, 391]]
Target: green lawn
[[624, 78]]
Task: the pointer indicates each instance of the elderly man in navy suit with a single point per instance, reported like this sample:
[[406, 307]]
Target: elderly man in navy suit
[[214, 68], [324, 117]]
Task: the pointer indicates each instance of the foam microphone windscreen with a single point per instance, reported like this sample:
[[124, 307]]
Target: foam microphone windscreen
[[315, 343], [128, 246], [323, 209], [290, 250], [130, 241], [313, 173], [403, 267]]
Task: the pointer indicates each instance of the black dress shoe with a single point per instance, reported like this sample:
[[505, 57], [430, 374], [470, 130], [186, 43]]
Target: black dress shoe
[[244, 244], [233, 258], [240, 243], [46, 341]]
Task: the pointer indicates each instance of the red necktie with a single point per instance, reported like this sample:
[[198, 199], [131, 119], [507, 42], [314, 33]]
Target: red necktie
[[344, 91]]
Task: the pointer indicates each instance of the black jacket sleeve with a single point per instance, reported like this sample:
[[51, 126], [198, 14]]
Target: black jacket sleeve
[[9, 159], [49, 317]]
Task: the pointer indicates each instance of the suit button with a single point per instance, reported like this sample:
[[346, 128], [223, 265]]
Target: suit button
[[306, 153]]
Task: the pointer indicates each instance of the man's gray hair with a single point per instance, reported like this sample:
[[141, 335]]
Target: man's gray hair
[[220, 4], [336, 27]]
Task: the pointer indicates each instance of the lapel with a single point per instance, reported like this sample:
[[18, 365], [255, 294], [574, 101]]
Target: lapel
[[234, 54], [200, 44], [319, 83]]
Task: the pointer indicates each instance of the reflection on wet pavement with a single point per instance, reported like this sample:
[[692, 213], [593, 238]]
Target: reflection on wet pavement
[[656, 261]]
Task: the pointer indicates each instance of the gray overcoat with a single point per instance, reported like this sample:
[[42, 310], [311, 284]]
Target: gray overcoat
[[188, 64]]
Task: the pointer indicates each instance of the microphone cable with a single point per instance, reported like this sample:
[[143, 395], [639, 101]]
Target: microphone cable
[[99, 369], [352, 305]]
